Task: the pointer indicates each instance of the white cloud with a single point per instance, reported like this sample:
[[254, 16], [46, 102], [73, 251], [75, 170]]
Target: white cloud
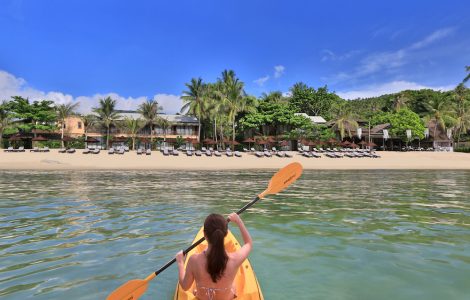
[[278, 71], [14, 86], [261, 81], [433, 37], [330, 55], [387, 61], [388, 88]]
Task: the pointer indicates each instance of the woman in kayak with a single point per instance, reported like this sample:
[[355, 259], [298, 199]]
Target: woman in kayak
[[214, 269]]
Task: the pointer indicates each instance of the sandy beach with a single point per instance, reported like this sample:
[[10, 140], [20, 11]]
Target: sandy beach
[[131, 161]]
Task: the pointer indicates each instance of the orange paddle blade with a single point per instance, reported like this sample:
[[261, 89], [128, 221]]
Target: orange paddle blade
[[130, 290], [283, 178]]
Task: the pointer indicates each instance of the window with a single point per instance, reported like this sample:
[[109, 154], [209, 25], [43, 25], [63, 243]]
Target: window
[[79, 125]]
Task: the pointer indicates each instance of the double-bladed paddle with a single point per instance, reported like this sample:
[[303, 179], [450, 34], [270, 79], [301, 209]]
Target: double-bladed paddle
[[135, 288]]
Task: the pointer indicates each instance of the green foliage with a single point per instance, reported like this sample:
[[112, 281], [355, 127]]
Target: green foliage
[[401, 121], [179, 141], [36, 115], [305, 99]]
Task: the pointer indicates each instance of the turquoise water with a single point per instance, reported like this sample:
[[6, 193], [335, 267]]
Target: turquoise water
[[333, 235]]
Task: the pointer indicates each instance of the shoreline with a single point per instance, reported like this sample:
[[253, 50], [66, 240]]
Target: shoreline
[[157, 161]]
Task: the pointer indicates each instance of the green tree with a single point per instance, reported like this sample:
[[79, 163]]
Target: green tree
[[5, 120], [439, 111], [233, 97], [195, 101], [37, 115], [344, 122], [461, 111], [64, 111], [88, 121], [467, 69], [401, 121], [149, 111], [132, 126], [313, 102], [107, 114], [400, 102], [164, 124]]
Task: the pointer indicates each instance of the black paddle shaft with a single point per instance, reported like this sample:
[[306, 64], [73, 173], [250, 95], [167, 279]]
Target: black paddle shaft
[[202, 239]]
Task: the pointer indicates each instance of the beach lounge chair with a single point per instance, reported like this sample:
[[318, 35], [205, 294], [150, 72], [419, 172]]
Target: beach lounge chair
[[237, 154], [267, 153], [121, 151], [198, 153], [139, 151], [208, 153], [35, 149], [148, 152], [245, 150], [217, 153], [86, 151], [10, 149], [166, 152], [189, 153], [71, 150], [316, 155], [175, 152], [253, 150], [126, 148], [287, 154], [61, 150], [280, 154], [20, 149], [307, 154], [229, 153], [203, 149], [259, 154], [96, 151], [111, 151], [45, 149]]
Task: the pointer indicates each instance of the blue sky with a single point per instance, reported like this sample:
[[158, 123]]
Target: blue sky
[[80, 50]]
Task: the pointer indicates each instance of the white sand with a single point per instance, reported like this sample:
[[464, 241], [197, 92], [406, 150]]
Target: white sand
[[130, 160]]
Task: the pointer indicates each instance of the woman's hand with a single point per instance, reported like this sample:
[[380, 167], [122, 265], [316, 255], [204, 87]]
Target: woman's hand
[[180, 257], [235, 218]]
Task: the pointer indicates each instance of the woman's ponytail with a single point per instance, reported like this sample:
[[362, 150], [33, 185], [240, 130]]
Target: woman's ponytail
[[215, 229]]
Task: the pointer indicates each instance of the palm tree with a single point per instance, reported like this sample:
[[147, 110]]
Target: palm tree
[[194, 100], [164, 124], [344, 122], [64, 111], [467, 69], [234, 97], [462, 111], [88, 121], [5, 119], [132, 127], [107, 114], [438, 110], [149, 111], [400, 102]]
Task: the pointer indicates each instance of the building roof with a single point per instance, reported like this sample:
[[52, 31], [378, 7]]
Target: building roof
[[314, 119], [178, 119]]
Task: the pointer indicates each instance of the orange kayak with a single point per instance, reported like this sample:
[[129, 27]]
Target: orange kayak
[[246, 283]]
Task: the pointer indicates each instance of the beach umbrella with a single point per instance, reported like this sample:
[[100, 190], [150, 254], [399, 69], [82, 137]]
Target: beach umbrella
[[249, 141], [372, 144], [284, 143], [233, 143], [346, 144], [362, 143], [68, 139], [353, 145], [209, 141], [270, 140], [39, 138], [189, 140], [17, 137], [261, 142], [91, 140], [332, 141]]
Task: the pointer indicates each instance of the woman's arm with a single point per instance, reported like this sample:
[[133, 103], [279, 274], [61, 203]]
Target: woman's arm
[[245, 250], [185, 277]]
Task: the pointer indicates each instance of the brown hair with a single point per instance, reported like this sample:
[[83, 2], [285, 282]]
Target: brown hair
[[215, 230]]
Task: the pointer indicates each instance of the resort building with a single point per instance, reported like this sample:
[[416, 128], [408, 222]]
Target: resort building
[[314, 119], [176, 126]]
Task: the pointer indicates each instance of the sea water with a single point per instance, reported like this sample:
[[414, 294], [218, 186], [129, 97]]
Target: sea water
[[332, 235]]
